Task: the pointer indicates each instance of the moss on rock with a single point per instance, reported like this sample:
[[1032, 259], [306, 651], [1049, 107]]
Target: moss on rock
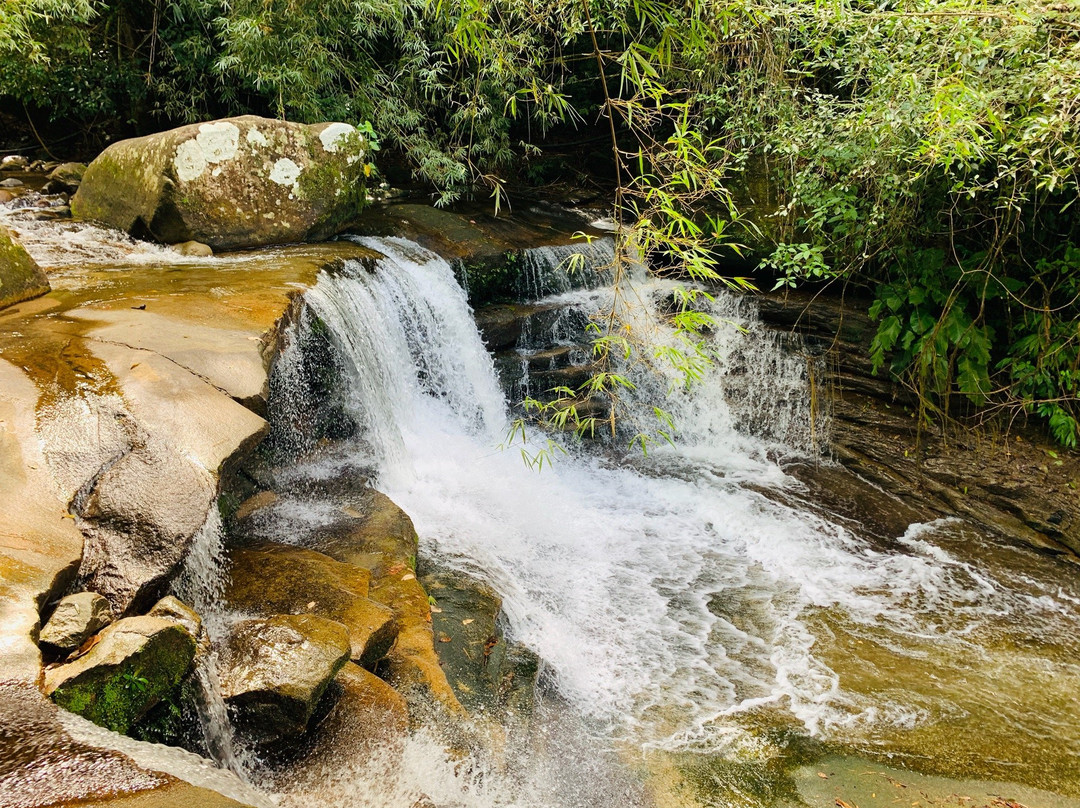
[[232, 183], [20, 278], [136, 662]]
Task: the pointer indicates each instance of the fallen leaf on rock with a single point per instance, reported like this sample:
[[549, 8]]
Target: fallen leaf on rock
[[311, 605], [843, 804], [444, 638], [436, 610], [823, 776], [409, 577], [466, 622]]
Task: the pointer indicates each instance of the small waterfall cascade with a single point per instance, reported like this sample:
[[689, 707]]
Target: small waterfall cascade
[[763, 383], [201, 584], [557, 269], [676, 604]]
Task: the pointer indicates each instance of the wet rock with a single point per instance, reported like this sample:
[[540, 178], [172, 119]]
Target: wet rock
[[275, 670], [140, 519], [380, 537], [195, 249], [11, 182], [281, 579], [488, 674], [253, 504], [14, 162], [64, 179], [6, 196], [172, 608], [20, 278], [134, 664], [75, 619], [231, 183]]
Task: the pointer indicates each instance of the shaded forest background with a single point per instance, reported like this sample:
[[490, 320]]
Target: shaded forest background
[[923, 152]]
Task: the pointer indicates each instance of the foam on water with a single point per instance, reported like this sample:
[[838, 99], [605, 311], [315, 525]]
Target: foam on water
[[665, 600]]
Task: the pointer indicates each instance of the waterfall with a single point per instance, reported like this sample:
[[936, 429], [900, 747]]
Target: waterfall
[[674, 601]]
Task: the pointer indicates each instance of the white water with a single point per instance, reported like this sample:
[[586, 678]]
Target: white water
[[667, 600]]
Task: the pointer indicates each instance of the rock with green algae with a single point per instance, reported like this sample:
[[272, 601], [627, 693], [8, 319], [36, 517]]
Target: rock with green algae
[[136, 662], [230, 184], [274, 671], [20, 278]]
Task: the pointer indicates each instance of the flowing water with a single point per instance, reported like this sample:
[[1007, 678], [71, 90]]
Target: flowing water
[[702, 643], [691, 626]]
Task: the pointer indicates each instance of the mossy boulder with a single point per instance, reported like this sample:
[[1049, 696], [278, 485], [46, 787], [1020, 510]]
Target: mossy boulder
[[231, 183], [20, 278], [136, 662], [275, 670]]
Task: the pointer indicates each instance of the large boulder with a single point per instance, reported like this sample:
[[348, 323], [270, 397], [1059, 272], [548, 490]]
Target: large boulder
[[75, 619], [231, 183], [20, 278], [281, 579], [136, 662], [275, 670]]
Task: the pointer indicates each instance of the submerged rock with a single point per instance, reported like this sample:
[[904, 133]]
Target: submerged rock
[[195, 249], [75, 619], [231, 183], [280, 579], [275, 670], [20, 278], [136, 662], [488, 674]]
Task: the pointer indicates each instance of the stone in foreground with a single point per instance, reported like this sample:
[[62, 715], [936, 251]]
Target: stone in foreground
[[76, 618], [275, 670], [231, 183], [136, 662], [20, 278]]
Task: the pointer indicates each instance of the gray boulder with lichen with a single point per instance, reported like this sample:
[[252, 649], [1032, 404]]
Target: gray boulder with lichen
[[231, 183]]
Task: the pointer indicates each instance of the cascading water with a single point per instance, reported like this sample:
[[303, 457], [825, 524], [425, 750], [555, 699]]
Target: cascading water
[[673, 606], [201, 584]]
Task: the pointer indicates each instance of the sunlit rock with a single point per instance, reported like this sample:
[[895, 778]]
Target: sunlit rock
[[75, 619], [280, 579], [233, 183], [135, 663], [275, 670]]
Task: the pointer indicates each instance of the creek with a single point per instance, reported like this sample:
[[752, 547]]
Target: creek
[[709, 634], [703, 626]]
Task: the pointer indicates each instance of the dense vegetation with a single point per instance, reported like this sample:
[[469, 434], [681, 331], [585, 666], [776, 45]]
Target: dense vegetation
[[923, 150]]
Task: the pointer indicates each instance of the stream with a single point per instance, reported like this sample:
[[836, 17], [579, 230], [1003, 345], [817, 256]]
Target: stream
[[708, 635], [695, 632]]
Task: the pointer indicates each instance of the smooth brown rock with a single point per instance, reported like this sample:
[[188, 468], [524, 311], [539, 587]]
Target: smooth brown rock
[[380, 537], [194, 248], [281, 579], [275, 670]]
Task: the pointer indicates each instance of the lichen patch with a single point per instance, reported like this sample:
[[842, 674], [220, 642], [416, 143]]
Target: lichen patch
[[335, 136], [189, 162], [256, 138], [219, 141], [285, 172]]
